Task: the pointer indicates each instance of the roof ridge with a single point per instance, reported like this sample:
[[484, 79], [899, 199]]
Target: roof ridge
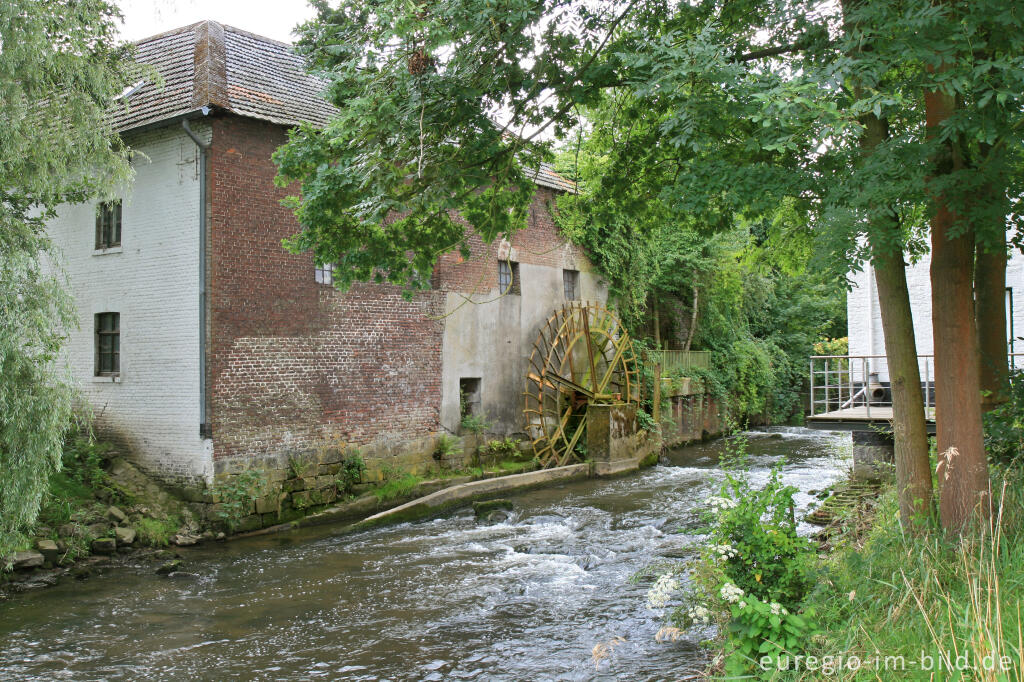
[[165, 34], [257, 36], [226, 27]]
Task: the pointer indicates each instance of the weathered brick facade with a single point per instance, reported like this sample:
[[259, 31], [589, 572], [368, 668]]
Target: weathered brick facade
[[539, 243], [294, 363]]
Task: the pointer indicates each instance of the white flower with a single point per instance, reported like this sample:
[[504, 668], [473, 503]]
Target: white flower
[[777, 609], [658, 595], [742, 605], [723, 551], [720, 503], [699, 614], [731, 593]]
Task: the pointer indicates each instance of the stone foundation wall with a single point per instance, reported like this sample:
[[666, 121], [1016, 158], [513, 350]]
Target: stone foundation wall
[[691, 418]]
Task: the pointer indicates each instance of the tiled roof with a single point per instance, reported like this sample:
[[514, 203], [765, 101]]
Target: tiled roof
[[210, 64], [547, 177], [213, 65]]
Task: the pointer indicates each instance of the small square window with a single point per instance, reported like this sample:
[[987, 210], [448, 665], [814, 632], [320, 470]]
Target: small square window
[[324, 274], [508, 277], [108, 224], [108, 344], [571, 284]]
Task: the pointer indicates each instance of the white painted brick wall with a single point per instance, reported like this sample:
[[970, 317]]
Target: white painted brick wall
[[864, 322], [153, 282]]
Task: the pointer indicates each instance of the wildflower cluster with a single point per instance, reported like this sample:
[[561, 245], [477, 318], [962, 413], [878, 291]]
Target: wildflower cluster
[[731, 593], [723, 551], [698, 615], [659, 594], [719, 503]]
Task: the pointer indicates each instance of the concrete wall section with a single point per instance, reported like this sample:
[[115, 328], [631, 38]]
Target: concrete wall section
[[490, 336], [152, 280]]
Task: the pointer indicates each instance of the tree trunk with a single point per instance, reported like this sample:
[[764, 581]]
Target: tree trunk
[[990, 299], [693, 319], [990, 289], [910, 434], [962, 468], [657, 326]]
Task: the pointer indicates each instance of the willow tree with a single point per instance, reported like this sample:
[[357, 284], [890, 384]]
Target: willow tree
[[59, 72]]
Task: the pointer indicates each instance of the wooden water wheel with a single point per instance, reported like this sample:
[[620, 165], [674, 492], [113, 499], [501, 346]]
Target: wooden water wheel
[[582, 356]]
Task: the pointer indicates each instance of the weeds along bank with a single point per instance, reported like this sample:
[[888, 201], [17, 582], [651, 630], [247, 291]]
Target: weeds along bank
[[99, 507], [866, 602]]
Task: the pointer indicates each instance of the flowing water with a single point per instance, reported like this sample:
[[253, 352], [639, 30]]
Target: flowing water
[[444, 599]]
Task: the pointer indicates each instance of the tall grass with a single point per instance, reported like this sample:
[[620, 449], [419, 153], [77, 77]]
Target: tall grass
[[923, 607]]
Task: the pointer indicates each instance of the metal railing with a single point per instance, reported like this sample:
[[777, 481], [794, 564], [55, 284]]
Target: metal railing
[[674, 360], [859, 383]]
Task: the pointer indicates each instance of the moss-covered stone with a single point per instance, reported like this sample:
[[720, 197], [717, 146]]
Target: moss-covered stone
[[482, 509]]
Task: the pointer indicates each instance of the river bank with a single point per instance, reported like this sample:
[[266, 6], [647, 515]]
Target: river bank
[[446, 598], [891, 605]]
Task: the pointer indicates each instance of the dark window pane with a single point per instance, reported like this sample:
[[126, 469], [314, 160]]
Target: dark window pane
[[504, 276], [108, 225]]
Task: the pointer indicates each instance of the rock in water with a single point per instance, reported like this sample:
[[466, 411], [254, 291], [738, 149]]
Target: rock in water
[[27, 559], [168, 567], [497, 516], [484, 509]]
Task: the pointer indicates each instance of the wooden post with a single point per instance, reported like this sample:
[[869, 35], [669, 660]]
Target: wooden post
[[656, 398]]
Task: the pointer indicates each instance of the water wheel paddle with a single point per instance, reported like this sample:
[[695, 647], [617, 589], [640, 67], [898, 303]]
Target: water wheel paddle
[[582, 356]]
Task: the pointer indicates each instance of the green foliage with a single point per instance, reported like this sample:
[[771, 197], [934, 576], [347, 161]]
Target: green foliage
[[475, 424], [400, 485], [351, 472], [755, 567], [447, 446], [59, 71], [913, 595], [156, 532], [1004, 426], [299, 466], [235, 496], [505, 447], [839, 346], [83, 457]]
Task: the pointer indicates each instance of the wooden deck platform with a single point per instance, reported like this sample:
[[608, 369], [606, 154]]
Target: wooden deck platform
[[862, 418]]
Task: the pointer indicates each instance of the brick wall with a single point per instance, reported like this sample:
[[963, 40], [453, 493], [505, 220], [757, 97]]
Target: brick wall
[[539, 243], [294, 363]]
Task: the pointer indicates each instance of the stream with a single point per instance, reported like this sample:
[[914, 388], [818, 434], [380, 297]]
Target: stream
[[442, 599]]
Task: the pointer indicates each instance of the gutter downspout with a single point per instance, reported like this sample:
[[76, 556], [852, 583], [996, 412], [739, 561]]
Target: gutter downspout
[[204, 426]]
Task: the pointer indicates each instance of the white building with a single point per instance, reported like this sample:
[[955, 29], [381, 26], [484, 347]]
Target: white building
[[864, 320]]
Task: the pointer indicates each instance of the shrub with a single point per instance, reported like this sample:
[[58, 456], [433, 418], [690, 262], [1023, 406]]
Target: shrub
[[447, 446], [351, 472], [505, 447], [235, 496], [476, 424], [1004, 426], [156, 532], [755, 570]]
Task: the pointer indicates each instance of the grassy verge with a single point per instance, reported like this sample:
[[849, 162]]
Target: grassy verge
[[894, 606]]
